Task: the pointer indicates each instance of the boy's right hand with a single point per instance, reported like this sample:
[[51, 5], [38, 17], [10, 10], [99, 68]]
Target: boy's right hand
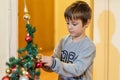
[[46, 60]]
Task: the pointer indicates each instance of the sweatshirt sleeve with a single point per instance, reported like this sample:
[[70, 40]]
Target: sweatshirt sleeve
[[57, 50], [77, 68], [56, 54]]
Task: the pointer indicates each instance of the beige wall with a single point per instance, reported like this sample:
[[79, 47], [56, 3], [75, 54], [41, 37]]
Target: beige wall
[[100, 70], [114, 40], [106, 37]]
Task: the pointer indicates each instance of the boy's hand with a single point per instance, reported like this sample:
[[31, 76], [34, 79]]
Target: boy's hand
[[46, 60]]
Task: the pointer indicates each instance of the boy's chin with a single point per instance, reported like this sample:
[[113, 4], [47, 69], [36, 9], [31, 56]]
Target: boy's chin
[[73, 35]]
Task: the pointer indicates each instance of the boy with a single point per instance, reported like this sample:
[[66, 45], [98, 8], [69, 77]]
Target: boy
[[73, 57]]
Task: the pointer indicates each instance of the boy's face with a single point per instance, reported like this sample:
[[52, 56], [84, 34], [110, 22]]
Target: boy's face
[[76, 28]]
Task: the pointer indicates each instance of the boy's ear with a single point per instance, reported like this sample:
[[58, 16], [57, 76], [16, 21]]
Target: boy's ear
[[88, 22]]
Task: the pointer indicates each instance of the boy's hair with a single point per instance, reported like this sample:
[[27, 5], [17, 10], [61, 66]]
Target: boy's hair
[[78, 10]]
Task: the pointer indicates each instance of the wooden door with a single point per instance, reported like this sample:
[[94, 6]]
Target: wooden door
[[42, 17]]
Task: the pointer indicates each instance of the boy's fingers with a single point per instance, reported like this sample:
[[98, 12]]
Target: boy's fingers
[[43, 59], [39, 56], [46, 64]]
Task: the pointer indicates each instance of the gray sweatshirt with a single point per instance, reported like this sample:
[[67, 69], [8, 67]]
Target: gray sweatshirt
[[74, 60]]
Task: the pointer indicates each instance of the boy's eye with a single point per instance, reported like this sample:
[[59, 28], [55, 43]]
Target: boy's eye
[[67, 23], [74, 24]]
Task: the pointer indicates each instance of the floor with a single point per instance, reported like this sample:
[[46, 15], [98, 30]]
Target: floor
[[48, 75]]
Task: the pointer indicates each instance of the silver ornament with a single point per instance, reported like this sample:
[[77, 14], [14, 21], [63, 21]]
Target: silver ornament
[[23, 78]]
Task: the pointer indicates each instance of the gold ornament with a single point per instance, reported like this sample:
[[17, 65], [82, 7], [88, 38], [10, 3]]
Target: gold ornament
[[24, 72], [39, 50], [22, 68], [27, 17], [37, 69], [38, 57], [8, 70]]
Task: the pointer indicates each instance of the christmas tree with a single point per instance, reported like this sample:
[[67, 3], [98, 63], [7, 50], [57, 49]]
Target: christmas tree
[[27, 65]]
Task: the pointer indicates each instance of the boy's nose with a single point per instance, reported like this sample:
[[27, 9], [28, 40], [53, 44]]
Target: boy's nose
[[70, 26]]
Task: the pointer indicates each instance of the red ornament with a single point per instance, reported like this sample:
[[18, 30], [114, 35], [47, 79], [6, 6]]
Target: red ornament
[[13, 68], [28, 38], [36, 78], [38, 64], [6, 78]]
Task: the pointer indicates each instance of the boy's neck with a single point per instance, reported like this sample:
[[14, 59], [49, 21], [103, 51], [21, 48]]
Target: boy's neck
[[75, 39]]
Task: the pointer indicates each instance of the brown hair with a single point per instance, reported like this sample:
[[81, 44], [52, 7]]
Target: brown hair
[[78, 10]]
